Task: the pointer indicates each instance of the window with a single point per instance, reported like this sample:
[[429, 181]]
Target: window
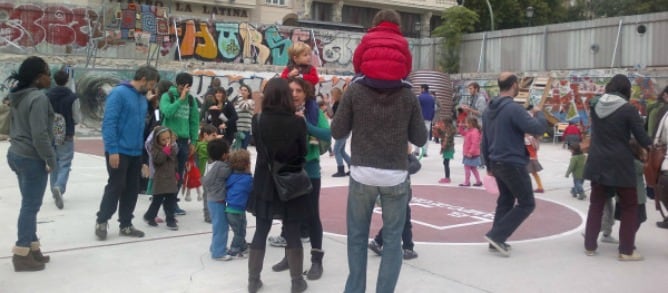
[[321, 11], [276, 2], [358, 15]]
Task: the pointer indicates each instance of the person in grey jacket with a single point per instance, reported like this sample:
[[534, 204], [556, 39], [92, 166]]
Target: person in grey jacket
[[217, 172], [610, 166], [31, 155], [382, 122]]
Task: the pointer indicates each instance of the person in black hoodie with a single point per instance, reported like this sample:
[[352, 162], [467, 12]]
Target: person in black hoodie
[[610, 166], [66, 103], [504, 125]]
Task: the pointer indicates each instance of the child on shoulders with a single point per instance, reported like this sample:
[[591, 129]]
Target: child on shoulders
[[383, 59], [299, 64]]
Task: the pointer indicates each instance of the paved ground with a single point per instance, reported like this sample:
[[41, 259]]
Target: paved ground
[[547, 254]]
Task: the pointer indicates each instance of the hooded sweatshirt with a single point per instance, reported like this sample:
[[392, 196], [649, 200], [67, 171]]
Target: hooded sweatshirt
[[504, 125], [31, 125], [610, 160], [123, 122], [181, 116], [239, 186]]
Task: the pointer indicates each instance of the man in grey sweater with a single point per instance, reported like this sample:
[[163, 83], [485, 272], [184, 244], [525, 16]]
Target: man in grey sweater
[[382, 123]]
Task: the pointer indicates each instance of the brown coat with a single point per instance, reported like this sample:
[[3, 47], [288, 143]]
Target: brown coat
[[164, 179]]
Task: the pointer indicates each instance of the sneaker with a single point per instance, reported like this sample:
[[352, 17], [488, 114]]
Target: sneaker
[[172, 226], [306, 239], [410, 254], [609, 239], [573, 194], [373, 246], [101, 230], [239, 254], [630, 257], [662, 224], [491, 248], [582, 197], [188, 198], [131, 232], [225, 257], [444, 180], [277, 241], [151, 222], [465, 184], [179, 212], [500, 246], [478, 184], [57, 197], [590, 252], [207, 219], [159, 220]]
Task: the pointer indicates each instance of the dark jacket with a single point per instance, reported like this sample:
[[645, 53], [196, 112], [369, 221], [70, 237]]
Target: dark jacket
[[610, 160], [503, 127], [239, 186], [428, 105], [284, 137], [62, 98]]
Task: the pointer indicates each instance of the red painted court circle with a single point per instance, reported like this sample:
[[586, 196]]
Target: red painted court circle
[[444, 214]]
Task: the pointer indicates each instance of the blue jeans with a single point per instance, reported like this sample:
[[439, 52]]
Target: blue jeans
[[238, 224], [247, 136], [361, 201], [514, 185], [220, 228], [32, 177], [340, 152], [577, 186], [64, 156]]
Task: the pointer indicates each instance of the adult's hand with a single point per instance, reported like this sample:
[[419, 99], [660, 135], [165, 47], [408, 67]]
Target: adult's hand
[[114, 161]]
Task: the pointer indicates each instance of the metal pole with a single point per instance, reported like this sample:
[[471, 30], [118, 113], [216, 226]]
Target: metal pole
[[482, 50], [545, 48], [619, 34], [491, 13], [176, 33]]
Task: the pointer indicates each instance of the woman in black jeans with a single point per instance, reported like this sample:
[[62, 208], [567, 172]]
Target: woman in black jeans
[[283, 135]]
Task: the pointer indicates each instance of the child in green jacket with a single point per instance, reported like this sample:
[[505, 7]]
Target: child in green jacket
[[577, 166]]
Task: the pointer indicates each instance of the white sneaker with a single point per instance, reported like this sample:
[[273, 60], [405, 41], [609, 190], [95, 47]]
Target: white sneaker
[[277, 241], [609, 239], [188, 198], [225, 257]]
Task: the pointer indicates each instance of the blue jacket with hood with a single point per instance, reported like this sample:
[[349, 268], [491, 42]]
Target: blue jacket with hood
[[123, 122], [504, 125], [239, 186]]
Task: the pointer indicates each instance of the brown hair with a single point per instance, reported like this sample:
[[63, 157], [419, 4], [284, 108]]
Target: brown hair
[[386, 15], [239, 160], [305, 85]]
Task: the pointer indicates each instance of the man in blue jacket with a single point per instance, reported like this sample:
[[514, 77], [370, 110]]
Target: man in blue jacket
[[428, 105], [123, 135], [504, 125]]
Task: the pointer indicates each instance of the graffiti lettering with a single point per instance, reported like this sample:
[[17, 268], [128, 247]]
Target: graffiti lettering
[[228, 40]]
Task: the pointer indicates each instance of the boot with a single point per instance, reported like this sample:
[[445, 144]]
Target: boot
[[255, 260], [24, 261], [340, 172], [315, 272], [37, 253], [295, 258], [281, 265]]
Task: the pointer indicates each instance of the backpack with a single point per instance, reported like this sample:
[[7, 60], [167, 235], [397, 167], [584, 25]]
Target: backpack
[[59, 128]]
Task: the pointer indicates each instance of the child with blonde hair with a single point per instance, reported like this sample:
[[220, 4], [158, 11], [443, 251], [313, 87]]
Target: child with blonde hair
[[163, 151], [299, 64], [239, 186]]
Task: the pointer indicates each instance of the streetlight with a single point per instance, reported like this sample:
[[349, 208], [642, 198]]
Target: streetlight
[[530, 14], [489, 6]]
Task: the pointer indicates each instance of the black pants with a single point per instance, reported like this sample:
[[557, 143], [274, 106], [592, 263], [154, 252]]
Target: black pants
[[312, 228], [167, 201], [406, 235], [262, 227], [446, 166], [121, 190]]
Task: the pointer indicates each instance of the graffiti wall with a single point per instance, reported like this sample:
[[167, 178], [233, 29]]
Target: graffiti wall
[[569, 94], [129, 30]]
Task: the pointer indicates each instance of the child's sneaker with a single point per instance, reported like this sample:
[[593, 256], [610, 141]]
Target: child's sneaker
[[410, 254], [444, 180], [373, 246], [582, 196], [609, 239], [277, 241], [131, 232], [151, 222], [225, 257], [172, 226], [188, 198]]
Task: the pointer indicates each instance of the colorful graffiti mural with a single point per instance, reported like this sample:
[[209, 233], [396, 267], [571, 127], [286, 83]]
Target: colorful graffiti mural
[[115, 25]]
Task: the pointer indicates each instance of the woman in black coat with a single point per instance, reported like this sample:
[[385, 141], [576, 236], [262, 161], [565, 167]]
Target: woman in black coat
[[610, 166], [283, 135]]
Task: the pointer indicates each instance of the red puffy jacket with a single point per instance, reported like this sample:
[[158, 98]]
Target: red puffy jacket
[[383, 53]]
